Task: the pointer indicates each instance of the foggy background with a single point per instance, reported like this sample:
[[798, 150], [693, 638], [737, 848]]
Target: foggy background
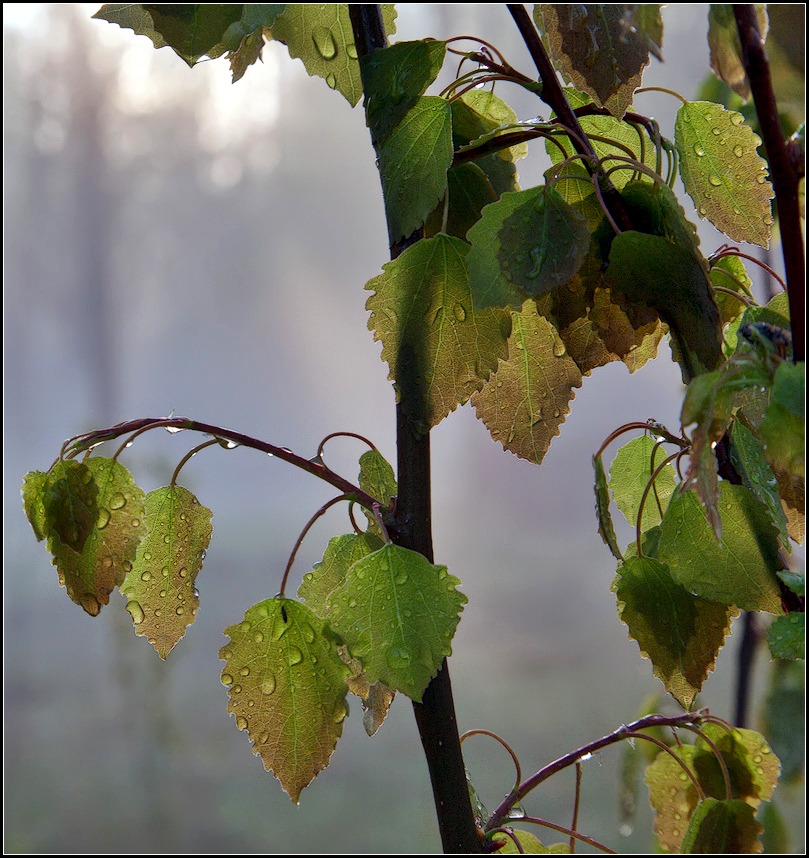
[[176, 243]]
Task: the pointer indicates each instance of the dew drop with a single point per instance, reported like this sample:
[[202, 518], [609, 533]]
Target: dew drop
[[398, 657], [245, 671], [237, 689], [241, 722], [103, 519], [559, 348], [268, 686], [340, 713], [165, 571], [351, 50], [90, 604], [180, 611], [183, 572], [738, 151], [324, 42], [698, 150], [264, 738], [136, 612], [736, 118], [702, 211], [295, 656], [245, 626], [226, 679], [158, 613], [146, 576], [308, 633], [117, 501], [715, 181], [460, 312], [400, 577], [331, 81], [258, 637], [163, 594]]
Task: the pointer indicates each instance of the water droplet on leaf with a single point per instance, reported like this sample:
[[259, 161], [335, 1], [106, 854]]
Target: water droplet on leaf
[[136, 612], [117, 501], [324, 43], [268, 686], [241, 723], [295, 655], [227, 679], [103, 519]]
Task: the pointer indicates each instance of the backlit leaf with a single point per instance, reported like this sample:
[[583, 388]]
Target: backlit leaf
[[679, 633], [378, 480], [726, 50], [439, 348], [320, 35], [723, 828], [787, 636], [470, 191], [192, 29], [413, 162], [598, 48], [647, 20], [131, 16], [527, 399], [397, 613], [162, 598], [70, 502], [605, 527], [476, 114], [784, 428], [729, 272], [319, 586], [630, 473], [376, 697], [395, 78], [737, 570], [756, 475], [722, 171], [529, 845], [542, 241], [91, 575], [33, 488], [255, 19], [287, 688]]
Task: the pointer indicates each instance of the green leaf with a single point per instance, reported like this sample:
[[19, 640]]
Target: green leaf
[[470, 191], [784, 718], [722, 828], [287, 689], [251, 25], [320, 585], [375, 697], [729, 272], [192, 29], [439, 348], [783, 428], [650, 269], [33, 490], [70, 502], [528, 398], [161, 597], [747, 456], [722, 171], [89, 576], [397, 613], [630, 473], [378, 480], [726, 50], [787, 636], [413, 162], [320, 35], [542, 241], [679, 633], [605, 528], [737, 570], [395, 78], [794, 581], [529, 845], [598, 48], [648, 22], [131, 16]]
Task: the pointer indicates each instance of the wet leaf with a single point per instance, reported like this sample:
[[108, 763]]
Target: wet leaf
[[89, 576], [726, 50], [319, 586], [787, 636], [242, 36], [413, 163], [33, 489], [737, 570], [131, 16], [378, 480], [783, 428], [630, 473], [320, 35], [395, 78], [439, 348], [192, 29], [723, 828], [679, 633], [160, 587], [470, 191], [376, 697], [397, 613], [598, 48], [70, 502], [605, 528], [729, 272], [722, 171], [529, 844], [287, 688], [528, 398]]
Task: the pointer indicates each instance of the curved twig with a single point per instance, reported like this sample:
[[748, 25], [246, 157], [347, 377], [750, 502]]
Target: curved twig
[[503, 742]]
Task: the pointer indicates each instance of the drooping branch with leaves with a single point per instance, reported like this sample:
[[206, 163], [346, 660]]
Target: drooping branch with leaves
[[507, 298]]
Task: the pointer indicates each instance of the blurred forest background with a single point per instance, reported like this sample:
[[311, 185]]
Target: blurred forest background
[[176, 243]]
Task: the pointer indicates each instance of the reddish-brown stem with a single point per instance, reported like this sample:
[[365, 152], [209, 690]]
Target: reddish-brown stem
[[536, 820], [576, 802]]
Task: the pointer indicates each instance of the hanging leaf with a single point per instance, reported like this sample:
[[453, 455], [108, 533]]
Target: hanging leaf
[[470, 191], [375, 697], [528, 398], [783, 428], [722, 171], [131, 16], [529, 845], [726, 50], [160, 587], [787, 636], [395, 78], [397, 613], [679, 633], [89, 576], [723, 828], [439, 348], [320, 35], [605, 529], [192, 29], [378, 480], [737, 570], [70, 503], [598, 48], [287, 688], [630, 473], [648, 22], [320, 585], [255, 19], [33, 490]]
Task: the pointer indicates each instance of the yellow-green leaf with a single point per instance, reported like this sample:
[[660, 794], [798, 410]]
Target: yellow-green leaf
[[91, 575], [376, 697], [722, 171], [33, 489], [679, 633], [439, 348], [397, 613], [287, 688], [529, 844], [723, 828], [527, 399], [70, 502], [726, 50], [160, 586], [631, 472], [605, 528]]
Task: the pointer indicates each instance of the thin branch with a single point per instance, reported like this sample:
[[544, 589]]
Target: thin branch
[[536, 820], [188, 456]]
